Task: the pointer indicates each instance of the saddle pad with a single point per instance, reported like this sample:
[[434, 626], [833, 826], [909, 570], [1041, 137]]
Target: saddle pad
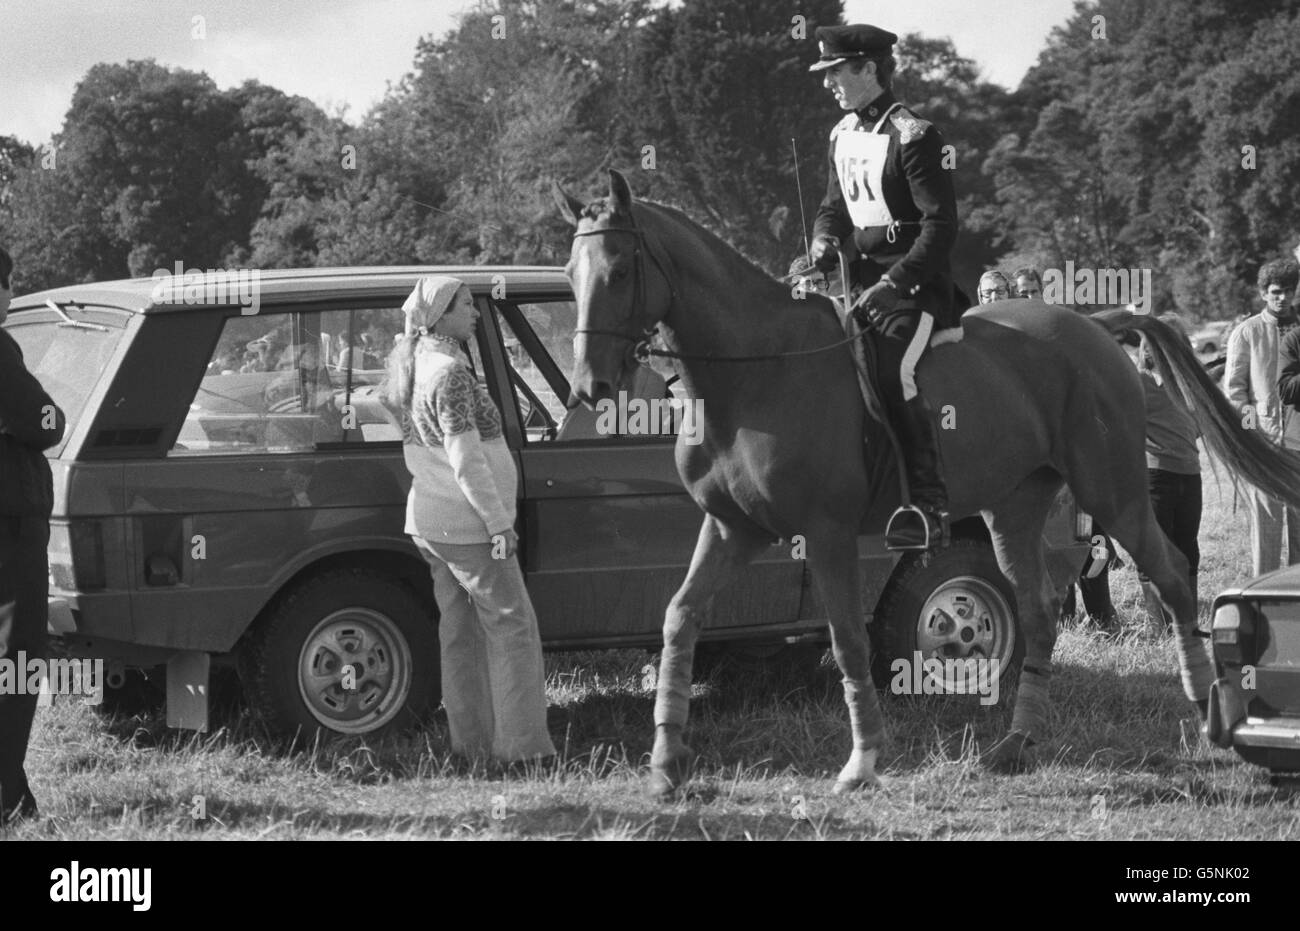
[[851, 328], [950, 335]]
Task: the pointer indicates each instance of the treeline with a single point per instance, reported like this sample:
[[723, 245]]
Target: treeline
[[1152, 133]]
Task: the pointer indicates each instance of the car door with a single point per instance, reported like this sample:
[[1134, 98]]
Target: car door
[[274, 456], [609, 529]]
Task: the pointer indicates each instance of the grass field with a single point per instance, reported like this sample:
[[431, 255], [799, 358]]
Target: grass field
[[1124, 760]]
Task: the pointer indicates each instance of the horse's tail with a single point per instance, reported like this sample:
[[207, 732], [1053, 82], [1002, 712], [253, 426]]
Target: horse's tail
[[1246, 453]]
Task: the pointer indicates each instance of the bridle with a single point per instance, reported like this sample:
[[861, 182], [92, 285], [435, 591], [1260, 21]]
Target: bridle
[[641, 344]]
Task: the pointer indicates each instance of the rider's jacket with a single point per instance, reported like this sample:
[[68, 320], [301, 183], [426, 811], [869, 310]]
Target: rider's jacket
[[890, 186]]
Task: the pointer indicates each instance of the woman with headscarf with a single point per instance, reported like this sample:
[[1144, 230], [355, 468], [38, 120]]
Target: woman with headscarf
[[461, 515]]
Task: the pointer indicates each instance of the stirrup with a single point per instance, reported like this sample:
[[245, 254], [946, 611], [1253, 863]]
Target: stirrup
[[912, 529]]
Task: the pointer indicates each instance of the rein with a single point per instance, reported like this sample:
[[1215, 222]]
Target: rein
[[641, 345]]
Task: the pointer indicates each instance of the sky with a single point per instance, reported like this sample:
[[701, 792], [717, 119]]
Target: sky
[[345, 53]]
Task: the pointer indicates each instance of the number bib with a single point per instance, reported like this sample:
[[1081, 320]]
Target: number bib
[[860, 163]]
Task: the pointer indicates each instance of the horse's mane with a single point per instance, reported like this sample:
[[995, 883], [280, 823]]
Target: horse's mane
[[719, 246]]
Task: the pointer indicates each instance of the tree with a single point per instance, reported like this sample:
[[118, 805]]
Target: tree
[[153, 166], [1127, 150], [724, 89]]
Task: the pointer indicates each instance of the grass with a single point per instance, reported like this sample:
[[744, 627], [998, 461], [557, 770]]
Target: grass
[[1124, 760]]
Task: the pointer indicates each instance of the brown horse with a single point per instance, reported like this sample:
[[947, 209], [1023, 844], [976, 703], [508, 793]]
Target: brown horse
[[1034, 395]]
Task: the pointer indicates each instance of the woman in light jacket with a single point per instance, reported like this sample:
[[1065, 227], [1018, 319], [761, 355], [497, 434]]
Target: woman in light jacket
[[461, 515]]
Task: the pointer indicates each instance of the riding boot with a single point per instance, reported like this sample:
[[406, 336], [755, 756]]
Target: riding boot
[[923, 523]]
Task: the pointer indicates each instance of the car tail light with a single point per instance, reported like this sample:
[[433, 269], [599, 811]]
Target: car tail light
[[1233, 633], [60, 553], [88, 554], [77, 555]]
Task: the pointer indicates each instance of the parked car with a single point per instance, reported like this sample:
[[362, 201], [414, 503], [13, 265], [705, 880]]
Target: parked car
[[1255, 701], [1212, 338], [231, 491]]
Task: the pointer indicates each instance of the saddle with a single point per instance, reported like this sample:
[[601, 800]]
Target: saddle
[[878, 428]]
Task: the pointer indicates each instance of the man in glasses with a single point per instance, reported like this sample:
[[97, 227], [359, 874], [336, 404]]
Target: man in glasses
[[993, 287], [1029, 284]]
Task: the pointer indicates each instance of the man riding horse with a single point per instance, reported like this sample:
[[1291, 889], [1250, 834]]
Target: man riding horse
[[889, 190]]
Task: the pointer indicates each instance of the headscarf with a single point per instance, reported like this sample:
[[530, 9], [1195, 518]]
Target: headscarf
[[426, 304], [424, 307]]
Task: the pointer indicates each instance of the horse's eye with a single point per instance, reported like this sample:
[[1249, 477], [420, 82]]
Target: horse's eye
[[618, 274]]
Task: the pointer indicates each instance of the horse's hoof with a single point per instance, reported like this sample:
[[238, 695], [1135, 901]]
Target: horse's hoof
[[858, 773], [1011, 755], [659, 787], [845, 786], [670, 774]]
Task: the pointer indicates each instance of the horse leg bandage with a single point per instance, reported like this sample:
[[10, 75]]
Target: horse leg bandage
[[1032, 703], [1193, 662], [673, 696], [865, 718]]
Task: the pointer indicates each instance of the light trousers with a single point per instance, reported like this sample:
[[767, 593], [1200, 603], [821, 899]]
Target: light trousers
[[493, 681], [1267, 515]]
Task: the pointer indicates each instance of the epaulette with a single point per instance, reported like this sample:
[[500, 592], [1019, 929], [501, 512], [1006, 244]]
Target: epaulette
[[849, 121], [910, 126]]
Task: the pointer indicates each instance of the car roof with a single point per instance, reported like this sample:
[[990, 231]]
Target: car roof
[[281, 285]]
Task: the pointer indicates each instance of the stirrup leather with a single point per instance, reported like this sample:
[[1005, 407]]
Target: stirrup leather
[[912, 529]]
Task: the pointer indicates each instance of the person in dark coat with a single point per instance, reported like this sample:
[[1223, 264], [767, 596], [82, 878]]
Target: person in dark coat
[[30, 422]]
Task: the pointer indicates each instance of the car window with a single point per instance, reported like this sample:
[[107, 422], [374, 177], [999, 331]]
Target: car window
[[540, 404], [292, 382], [68, 360], [539, 346], [357, 344]]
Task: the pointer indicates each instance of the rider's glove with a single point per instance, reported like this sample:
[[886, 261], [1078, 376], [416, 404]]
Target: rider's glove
[[878, 301], [825, 252]]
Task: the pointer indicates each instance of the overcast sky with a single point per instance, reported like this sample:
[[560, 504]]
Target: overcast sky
[[346, 52]]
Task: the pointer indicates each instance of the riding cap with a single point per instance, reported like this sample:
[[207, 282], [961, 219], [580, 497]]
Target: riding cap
[[432, 296], [843, 43]]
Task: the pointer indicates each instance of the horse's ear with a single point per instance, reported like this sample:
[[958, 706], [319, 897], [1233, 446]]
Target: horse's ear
[[620, 195], [570, 206]]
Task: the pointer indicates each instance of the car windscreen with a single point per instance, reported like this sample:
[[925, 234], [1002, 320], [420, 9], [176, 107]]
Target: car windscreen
[[68, 359]]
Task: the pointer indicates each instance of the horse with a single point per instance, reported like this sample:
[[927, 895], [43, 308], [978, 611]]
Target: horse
[[1038, 396]]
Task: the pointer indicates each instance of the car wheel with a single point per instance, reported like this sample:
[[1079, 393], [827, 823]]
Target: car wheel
[[955, 606], [353, 652]]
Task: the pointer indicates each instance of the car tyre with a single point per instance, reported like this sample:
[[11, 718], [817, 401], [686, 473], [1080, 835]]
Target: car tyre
[[955, 604], [294, 666]]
